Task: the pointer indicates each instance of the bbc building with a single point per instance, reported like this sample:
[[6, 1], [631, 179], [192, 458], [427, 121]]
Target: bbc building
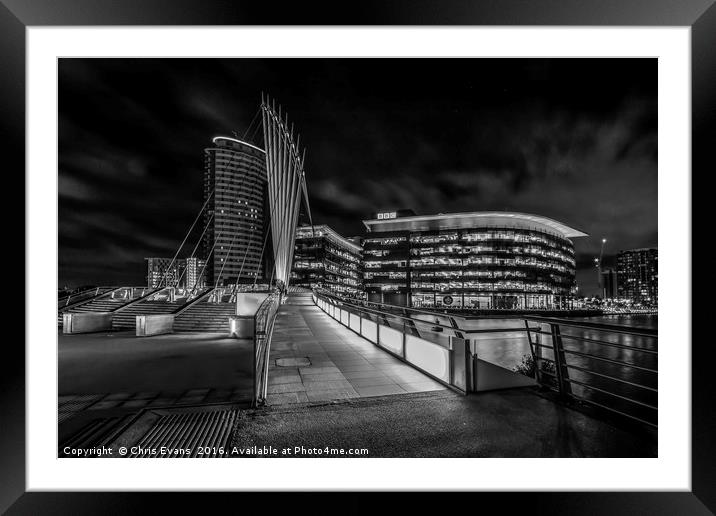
[[478, 260]]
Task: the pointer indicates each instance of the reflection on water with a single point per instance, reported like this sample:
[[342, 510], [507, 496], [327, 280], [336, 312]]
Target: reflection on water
[[507, 350], [612, 369], [648, 321]]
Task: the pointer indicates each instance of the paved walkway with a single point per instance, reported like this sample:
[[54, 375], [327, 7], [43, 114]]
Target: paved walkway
[[509, 423], [118, 371], [314, 358]]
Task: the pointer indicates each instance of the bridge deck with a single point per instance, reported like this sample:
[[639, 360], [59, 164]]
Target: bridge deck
[[338, 364]]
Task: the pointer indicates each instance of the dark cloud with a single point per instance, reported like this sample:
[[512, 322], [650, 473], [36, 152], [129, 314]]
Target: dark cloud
[[570, 139]]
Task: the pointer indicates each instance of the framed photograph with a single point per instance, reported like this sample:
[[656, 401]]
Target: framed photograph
[[421, 241]]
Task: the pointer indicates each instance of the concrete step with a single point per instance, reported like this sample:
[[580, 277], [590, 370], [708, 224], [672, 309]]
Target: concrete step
[[206, 317]]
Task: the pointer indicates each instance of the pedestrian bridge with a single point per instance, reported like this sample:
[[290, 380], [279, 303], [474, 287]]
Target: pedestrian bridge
[[326, 347], [314, 358]]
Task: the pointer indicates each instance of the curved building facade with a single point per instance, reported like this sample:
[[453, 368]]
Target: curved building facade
[[479, 260], [323, 258], [236, 172]]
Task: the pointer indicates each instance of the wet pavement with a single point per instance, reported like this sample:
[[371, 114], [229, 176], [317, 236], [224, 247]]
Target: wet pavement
[[510, 423]]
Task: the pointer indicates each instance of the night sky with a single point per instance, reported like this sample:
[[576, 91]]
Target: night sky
[[570, 139]]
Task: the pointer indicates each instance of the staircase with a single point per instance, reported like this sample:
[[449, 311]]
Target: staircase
[[97, 304], [127, 319], [205, 317], [83, 296], [300, 297]]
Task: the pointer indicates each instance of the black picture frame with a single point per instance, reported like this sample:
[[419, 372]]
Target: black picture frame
[[17, 15]]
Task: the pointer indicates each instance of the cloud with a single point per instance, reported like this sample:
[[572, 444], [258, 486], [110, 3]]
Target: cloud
[[558, 138]]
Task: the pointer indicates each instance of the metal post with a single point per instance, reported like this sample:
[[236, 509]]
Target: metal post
[[404, 338], [534, 350], [253, 400], [560, 362], [469, 371], [455, 326]]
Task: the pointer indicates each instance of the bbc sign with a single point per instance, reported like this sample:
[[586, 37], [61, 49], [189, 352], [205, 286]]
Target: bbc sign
[[387, 215]]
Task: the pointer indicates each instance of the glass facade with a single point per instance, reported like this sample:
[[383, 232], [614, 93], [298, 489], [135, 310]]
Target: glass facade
[[236, 172], [470, 267], [322, 258], [638, 275]]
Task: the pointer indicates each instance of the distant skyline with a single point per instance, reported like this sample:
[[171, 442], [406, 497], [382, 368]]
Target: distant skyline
[[570, 139]]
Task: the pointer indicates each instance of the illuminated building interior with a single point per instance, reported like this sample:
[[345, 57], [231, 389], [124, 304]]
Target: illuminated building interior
[[481, 260], [325, 259], [236, 172], [638, 275]]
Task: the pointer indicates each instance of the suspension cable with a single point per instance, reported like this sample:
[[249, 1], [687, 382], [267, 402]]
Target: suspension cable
[[193, 252], [252, 123], [231, 245], [205, 263], [261, 259], [243, 262], [185, 238]]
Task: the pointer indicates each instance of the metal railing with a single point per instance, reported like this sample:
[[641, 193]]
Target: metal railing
[[263, 330], [606, 366], [176, 295], [74, 300], [614, 368], [65, 300], [425, 345]]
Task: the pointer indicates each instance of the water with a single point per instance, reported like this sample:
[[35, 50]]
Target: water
[[507, 349], [619, 372], [648, 321]]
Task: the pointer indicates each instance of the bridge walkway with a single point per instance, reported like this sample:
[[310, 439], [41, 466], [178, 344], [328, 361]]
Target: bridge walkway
[[314, 358]]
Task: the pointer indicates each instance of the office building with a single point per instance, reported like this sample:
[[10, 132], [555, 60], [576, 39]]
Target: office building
[[478, 260], [183, 273], [609, 284], [323, 258], [164, 272], [637, 275], [195, 272], [235, 184]]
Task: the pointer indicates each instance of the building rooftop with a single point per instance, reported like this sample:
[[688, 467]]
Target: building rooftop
[[472, 220], [328, 232], [234, 140]]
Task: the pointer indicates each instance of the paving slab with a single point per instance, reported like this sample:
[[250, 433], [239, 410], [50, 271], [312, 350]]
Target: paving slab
[[343, 365]]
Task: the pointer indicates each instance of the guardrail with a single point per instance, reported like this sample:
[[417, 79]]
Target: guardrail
[[614, 368], [73, 300], [440, 356], [65, 300], [606, 366], [263, 330]]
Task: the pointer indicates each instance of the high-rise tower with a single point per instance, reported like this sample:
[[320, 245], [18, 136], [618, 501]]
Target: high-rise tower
[[233, 243]]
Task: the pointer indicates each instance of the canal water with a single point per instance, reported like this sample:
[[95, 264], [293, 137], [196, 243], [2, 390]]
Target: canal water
[[629, 389], [610, 368], [506, 349]]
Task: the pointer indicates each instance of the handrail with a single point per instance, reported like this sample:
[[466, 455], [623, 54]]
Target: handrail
[[81, 292], [184, 307], [386, 313], [137, 300], [264, 320], [642, 332], [88, 299], [454, 351], [397, 307], [564, 359]]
